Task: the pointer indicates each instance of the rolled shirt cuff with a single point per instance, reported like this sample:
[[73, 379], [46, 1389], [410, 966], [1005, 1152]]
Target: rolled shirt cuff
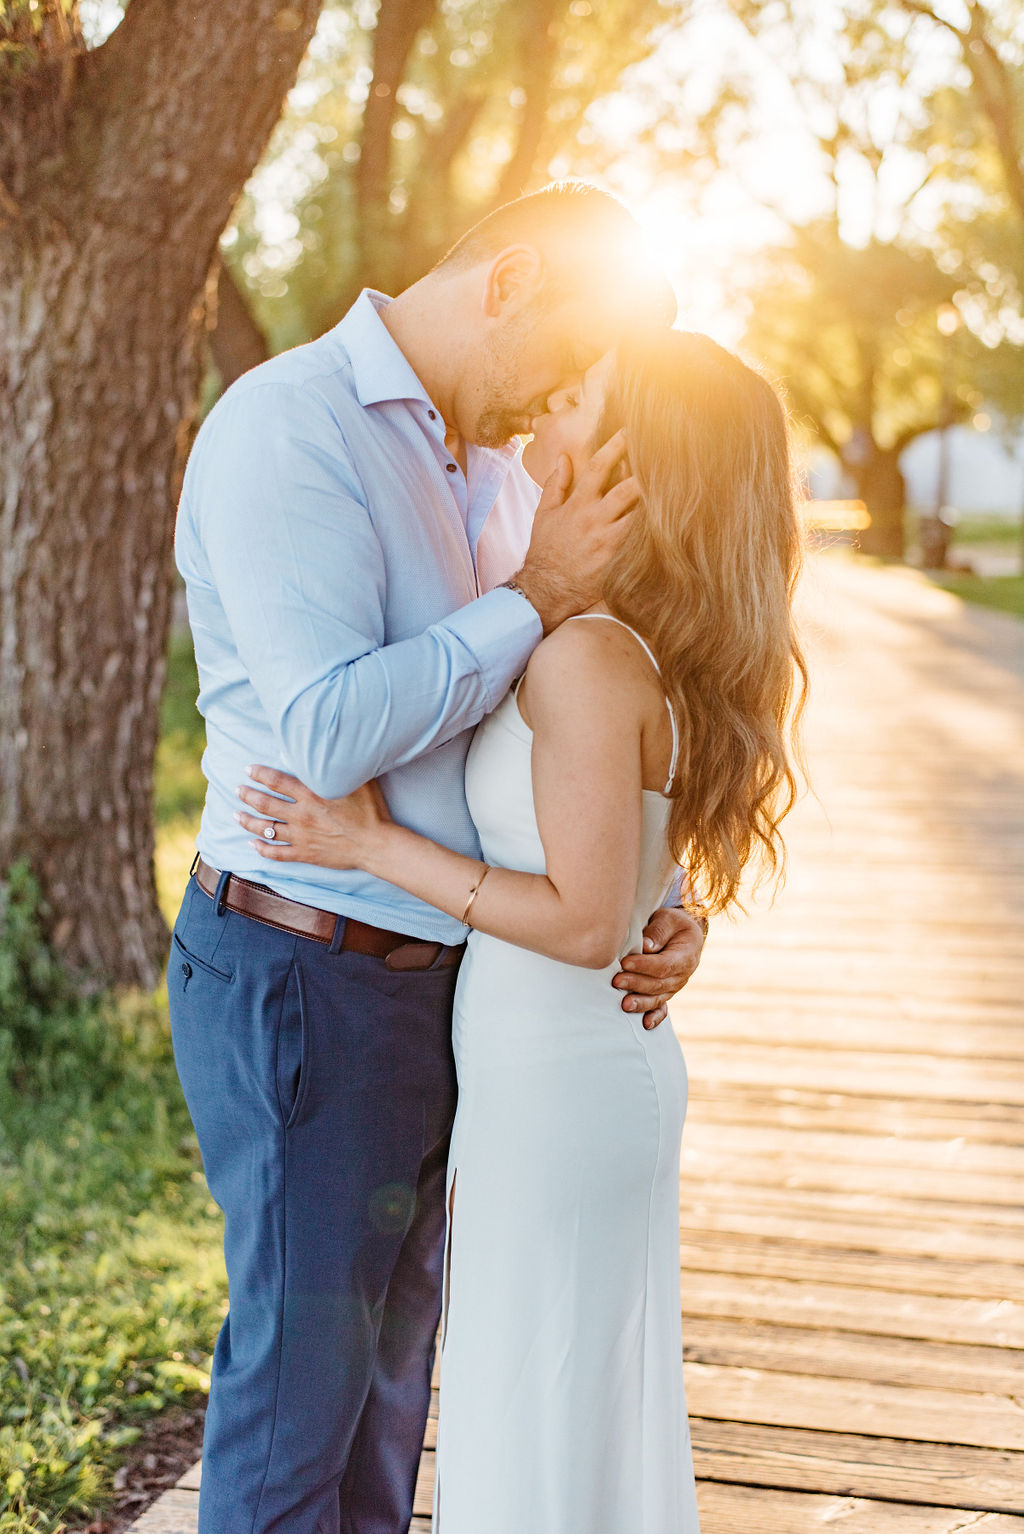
[[500, 630]]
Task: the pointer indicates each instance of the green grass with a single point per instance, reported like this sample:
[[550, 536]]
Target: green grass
[[988, 529], [1003, 592], [180, 786], [111, 1279]]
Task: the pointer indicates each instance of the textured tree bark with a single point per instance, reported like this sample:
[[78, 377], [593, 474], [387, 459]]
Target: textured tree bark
[[121, 167]]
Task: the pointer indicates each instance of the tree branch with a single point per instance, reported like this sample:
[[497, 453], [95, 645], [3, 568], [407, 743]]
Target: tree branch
[[920, 8], [236, 341], [537, 51], [148, 123], [992, 85], [398, 22]]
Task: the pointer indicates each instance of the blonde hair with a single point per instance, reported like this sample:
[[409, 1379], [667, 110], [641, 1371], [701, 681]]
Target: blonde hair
[[707, 574]]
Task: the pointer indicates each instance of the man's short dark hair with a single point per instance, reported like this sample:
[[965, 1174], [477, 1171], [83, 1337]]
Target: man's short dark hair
[[586, 235]]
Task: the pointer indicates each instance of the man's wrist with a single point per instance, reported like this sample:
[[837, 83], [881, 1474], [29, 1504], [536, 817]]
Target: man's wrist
[[514, 585], [696, 912], [524, 584]]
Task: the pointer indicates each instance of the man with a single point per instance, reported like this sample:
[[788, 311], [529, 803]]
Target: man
[[344, 507]]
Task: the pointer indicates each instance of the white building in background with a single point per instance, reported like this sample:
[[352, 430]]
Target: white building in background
[[984, 479]]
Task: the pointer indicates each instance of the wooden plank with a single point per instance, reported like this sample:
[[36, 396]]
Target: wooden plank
[[853, 1355], [845, 1464], [787, 1258], [849, 1464], [744, 1509], [792, 1108], [855, 1406], [859, 933], [790, 1169], [852, 1071], [836, 1307], [423, 1501], [789, 1166], [827, 980], [877, 1027], [863, 1228], [950, 1153], [175, 1512]]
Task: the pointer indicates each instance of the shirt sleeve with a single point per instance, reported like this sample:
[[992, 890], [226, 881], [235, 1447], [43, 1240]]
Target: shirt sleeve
[[292, 553]]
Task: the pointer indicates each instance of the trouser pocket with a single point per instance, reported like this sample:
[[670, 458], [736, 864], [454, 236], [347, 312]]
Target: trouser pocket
[[293, 1046]]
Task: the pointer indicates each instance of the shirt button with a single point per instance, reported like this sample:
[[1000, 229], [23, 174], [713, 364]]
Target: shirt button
[[451, 468], [186, 970], [432, 414]]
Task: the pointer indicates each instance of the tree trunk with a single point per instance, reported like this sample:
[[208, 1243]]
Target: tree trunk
[[881, 486], [398, 22], [105, 263], [236, 341]]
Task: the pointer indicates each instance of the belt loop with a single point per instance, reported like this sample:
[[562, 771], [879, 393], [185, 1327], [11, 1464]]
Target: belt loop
[[195, 865], [221, 893], [339, 935]]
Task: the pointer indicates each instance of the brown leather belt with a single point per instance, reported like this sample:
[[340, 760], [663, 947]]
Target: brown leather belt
[[399, 951]]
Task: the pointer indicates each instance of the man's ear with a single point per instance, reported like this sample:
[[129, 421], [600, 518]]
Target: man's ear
[[513, 280]]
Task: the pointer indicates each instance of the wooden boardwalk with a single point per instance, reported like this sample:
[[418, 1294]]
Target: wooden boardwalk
[[853, 1170]]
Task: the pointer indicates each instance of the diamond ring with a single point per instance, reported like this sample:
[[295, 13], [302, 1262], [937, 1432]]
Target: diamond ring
[[270, 832]]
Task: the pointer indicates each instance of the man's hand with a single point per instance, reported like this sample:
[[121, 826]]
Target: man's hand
[[575, 533], [672, 948]]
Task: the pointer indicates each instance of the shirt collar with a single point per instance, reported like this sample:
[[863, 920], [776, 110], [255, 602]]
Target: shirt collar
[[379, 366]]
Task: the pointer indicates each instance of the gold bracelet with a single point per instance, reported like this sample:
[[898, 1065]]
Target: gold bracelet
[[474, 892]]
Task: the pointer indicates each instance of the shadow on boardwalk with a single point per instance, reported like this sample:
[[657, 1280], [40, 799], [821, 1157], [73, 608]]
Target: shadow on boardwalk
[[853, 1158]]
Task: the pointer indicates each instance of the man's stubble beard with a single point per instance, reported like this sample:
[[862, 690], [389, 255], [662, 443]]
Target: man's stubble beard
[[503, 411], [496, 426]]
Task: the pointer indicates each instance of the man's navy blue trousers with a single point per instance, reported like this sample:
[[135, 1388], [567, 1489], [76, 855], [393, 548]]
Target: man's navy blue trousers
[[322, 1088]]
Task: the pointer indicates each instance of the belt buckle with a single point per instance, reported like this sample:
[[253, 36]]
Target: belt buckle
[[410, 957]]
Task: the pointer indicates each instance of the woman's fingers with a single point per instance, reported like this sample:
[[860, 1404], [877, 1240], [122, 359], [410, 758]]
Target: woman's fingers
[[276, 852], [264, 804], [280, 782], [259, 826]]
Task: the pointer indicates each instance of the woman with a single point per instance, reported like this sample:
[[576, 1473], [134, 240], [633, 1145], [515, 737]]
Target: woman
[[649, 732]]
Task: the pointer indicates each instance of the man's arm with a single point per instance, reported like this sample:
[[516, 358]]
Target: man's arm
[[300, 572]]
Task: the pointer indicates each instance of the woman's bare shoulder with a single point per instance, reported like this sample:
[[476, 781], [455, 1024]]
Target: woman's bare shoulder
[[589, 661], [591, 642]]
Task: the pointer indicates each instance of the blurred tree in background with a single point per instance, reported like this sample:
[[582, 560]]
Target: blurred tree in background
[[898, 310], [410, 127]]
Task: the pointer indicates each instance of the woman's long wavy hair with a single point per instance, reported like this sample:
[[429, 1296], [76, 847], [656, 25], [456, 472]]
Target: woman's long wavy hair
[[707, 574]]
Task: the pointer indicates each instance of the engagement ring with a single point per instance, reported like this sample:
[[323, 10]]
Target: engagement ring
[[270, 832]]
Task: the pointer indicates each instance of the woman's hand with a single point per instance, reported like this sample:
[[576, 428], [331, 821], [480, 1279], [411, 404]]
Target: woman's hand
[[332, 833]]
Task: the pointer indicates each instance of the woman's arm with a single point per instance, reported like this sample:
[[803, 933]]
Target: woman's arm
[[587, 791]]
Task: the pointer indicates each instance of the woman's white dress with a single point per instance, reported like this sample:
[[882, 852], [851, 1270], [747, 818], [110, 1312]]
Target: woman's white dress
[[562, 1404]]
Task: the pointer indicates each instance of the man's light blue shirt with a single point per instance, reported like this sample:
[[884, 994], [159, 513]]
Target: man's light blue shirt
[[328, 553]]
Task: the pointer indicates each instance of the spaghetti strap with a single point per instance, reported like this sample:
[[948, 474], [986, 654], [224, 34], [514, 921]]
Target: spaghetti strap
[[610, 618]]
